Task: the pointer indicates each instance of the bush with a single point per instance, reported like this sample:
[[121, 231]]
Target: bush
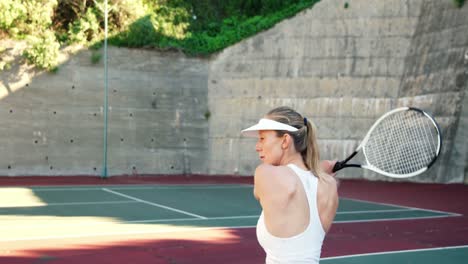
[[24, 17], [233, 29], [139, 34], [95, 57], [31, 20], [85, 28], [43, 50], [12, 11], [459, 3], [184, 25], [197, 27]]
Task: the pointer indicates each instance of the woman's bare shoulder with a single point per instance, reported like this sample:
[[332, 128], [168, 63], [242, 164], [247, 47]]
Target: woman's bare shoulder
[[267, 170], [274, 178]]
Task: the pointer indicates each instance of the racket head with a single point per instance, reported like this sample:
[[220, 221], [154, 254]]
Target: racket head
[[403, 143]]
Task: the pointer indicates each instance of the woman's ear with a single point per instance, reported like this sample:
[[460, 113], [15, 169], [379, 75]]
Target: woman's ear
[[286, 141]]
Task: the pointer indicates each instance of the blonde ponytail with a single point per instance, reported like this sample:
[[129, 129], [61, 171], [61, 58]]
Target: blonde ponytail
[[311, 154], [305, 140]]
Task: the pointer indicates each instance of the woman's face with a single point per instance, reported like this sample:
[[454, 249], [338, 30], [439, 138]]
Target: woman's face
[[269, 147]]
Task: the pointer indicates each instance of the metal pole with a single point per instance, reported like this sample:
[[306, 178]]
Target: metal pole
[[104, 167]]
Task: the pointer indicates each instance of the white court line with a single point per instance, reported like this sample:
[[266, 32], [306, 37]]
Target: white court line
[[65, 204], [79, 189], [192, 187], [392, 219], [401, 206], [395, 252], [153, 204], [23, 227], [90, 203], [375, 211], [143, 187], [192, 219], [134, 201]]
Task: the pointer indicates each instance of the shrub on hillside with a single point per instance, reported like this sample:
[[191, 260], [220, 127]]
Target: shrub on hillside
[[23, 17], [193, 26], [43, 50], [459, 3]]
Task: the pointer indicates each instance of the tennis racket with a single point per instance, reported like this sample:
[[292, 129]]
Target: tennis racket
[[402, 143]]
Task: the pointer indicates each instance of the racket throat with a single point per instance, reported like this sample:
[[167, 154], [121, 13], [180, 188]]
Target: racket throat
[[342, 164]]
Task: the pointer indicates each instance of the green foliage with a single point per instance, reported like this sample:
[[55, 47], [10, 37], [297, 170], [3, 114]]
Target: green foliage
[[197, 27], [31, 20], [459, 3], [206, 26], [95, 57], [234, 29], [172, 20], [88, 27], [4, 65], [54, 69], [207, 114], [85, 28], [43, 50], [23, 17], [11, 11]]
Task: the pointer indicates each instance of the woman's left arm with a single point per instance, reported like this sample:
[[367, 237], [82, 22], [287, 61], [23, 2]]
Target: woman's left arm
[[327, 166]]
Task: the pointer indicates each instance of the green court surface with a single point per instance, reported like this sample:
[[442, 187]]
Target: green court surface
[[90, 211], [445, 255]]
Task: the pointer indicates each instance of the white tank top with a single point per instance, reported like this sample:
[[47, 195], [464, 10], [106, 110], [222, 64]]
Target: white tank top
[[304, 247]]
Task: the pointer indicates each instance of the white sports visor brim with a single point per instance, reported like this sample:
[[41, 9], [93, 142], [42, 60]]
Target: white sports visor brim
[[266, 124]]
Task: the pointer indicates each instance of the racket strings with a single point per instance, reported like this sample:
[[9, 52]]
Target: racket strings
[[402, 143], [390, 149], [418, 154], [416, 157]]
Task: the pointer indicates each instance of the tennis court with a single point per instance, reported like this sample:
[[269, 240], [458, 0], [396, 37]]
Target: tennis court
[[121, 137], [196, 223]]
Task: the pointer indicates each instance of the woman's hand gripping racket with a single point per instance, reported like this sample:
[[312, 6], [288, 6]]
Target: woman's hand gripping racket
[[402, 143]]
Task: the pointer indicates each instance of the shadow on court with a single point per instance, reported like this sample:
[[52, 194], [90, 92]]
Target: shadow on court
[[201, 205], [207, 246]]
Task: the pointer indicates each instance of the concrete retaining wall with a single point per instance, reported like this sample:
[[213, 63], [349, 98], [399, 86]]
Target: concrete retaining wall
[[168, 113], [342, 68]]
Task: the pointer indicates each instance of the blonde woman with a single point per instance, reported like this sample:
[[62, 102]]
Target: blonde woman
[[297, 194]]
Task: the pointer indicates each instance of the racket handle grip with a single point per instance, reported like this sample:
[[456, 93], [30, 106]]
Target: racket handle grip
[[342, 164], [338, 166]]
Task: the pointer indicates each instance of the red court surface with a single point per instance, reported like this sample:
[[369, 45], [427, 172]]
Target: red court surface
[[240, 245]]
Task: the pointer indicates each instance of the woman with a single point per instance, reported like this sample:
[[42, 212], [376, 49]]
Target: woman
[[298, 197]]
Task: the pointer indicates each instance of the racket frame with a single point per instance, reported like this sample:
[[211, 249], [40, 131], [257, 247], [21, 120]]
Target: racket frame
[[342, 164]]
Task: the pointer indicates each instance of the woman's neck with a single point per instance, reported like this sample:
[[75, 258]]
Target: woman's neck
[[295, 159]]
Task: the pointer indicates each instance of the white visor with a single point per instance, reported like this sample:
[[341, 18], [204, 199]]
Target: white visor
[[266, 124]]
